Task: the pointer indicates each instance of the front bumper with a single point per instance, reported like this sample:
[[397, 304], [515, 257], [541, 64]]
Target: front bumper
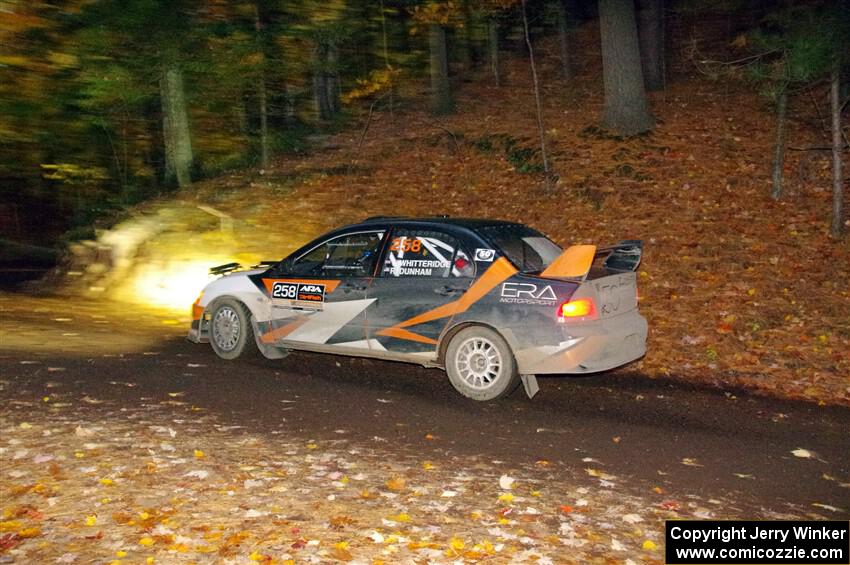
[[198, 331], [588, 348]]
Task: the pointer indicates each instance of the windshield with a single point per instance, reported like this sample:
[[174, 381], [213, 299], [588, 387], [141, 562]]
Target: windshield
[[529, 250]]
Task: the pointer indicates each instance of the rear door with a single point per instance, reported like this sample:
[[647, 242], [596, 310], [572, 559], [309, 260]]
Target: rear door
[[319, 300], [423, 272]]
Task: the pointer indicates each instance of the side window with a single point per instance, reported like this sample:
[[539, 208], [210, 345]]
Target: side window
[[352, 255], [419, 253]]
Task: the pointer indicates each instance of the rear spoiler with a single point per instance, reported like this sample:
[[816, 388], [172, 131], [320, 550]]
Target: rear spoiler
[[575, 262], [623, 257]]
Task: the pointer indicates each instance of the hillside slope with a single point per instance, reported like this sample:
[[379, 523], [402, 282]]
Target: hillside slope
[[739, 290]]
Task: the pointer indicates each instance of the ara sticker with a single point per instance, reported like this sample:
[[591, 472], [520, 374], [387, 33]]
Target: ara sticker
[[302, 292], [485, 255]]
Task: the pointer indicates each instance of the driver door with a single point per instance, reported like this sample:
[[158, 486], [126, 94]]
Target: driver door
[[318, 301]]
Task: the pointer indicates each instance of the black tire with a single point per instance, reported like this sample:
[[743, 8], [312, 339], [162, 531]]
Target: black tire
[[480, 364], [231, 332]]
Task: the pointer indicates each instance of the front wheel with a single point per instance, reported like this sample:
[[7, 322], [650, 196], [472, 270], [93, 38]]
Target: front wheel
[[231, 333], [480, 364]]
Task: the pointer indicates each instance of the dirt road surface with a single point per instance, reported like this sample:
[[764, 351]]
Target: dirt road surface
[[120, 441]]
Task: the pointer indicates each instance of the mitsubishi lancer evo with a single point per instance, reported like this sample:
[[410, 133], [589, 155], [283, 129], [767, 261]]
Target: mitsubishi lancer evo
[[493, 303]]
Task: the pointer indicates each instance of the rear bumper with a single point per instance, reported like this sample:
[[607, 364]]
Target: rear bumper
[[589, 348]]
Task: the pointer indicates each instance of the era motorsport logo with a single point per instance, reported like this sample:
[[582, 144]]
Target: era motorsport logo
[[527, 293]]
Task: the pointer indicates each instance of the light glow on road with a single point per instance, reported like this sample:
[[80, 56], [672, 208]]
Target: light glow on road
[[175, 285]]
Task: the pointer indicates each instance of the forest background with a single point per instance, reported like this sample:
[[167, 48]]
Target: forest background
[[715, 130]]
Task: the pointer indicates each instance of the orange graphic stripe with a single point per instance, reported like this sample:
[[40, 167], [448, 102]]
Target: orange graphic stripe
[[283, 331], [575, 262], [409, 336], [330, 286], [499, 271]]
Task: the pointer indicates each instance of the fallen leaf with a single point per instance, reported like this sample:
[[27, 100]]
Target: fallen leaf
[[402, 517], [827, 507], [396, 483], [506, 482], [599, 474]]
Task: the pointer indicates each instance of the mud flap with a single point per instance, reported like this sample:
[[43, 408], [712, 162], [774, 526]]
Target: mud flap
[[529, 383], [268, 351]]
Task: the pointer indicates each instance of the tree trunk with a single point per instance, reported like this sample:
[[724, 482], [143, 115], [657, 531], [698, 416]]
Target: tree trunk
[[332, 78], [261, 92], [779, 145], [320, 83], [564, 38], [326, 79], [264, 124], [540, 127], [493, 44], [391, 93], [651, 36], [837, 224], [290, 112], [176, 134], [465, 44], [441, 94], [626, 107]]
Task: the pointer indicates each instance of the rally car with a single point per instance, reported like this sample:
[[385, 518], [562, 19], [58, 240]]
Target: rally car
[[494, 303]]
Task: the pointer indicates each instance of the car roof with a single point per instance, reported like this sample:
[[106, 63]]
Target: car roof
[[469, 223]]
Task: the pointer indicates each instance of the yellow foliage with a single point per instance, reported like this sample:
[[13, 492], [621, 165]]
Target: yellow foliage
[[378, 81], [73, 174], [441, 13], [13, 61], [63, 60]]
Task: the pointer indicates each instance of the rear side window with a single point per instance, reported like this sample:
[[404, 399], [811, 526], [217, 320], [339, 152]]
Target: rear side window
[[528, 249], [430, 254]]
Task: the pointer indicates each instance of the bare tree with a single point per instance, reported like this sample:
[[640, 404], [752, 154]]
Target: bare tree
[[493, 41], [540, 128], [261, 91], [837, 224], [779, 143]]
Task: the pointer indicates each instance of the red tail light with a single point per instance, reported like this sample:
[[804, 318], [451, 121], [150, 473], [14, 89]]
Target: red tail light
[[578, 308]]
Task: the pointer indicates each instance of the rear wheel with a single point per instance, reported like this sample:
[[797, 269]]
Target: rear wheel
[[231, 332], [480, 364]]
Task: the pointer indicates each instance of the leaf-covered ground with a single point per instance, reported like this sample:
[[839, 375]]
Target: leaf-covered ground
[[157, 479]]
